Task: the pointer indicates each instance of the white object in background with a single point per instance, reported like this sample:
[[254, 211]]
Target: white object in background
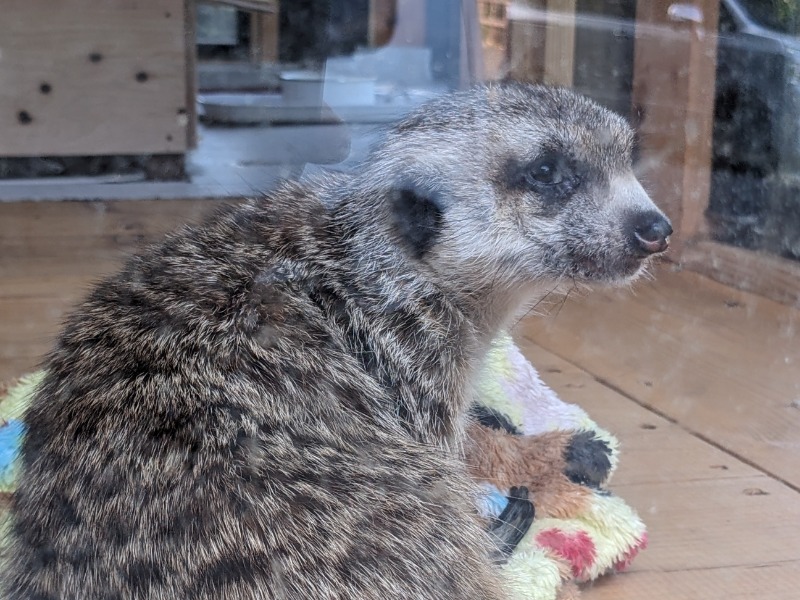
[[307, 88], [685, 13]]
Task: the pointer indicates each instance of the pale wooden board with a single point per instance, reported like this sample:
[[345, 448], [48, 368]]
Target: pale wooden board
[[30, 323], [50, 254], [714, 533], [654, 450], [715, 523], [559, 51], [526, 51], [767, 582], [19, 220], [766, 274], [723, 363], [94, 106]]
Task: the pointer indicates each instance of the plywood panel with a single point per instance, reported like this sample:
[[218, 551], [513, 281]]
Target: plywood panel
[[84, 77]]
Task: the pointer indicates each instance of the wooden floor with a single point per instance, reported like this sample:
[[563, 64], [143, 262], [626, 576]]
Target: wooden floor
[[700, 383]]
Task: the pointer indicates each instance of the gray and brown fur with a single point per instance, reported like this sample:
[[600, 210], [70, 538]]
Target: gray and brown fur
[[271, 405]]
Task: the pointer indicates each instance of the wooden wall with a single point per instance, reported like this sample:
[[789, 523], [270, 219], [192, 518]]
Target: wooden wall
[[94, 77]]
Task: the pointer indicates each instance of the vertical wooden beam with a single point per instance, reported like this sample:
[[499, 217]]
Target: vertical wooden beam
[[444, 36], [559, 52], [382, 19], [410, 26], [190, 40], [472, 61], [699, 127], [264, 31], [673, 109], [526, 44]]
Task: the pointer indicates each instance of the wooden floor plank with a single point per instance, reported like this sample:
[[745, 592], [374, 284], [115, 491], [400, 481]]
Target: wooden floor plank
[[33, 219], [675, 363], [770, 582], [716, 523], [670, 345], [654, 450], [710, 516]]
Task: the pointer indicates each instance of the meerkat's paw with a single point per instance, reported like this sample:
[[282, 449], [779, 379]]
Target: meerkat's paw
[[587, 459]]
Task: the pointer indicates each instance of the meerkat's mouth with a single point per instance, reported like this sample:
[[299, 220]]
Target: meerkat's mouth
[[607, 269]]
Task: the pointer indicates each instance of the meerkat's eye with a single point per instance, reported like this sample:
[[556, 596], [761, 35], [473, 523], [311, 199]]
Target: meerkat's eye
[[547, 173], [550, 169], [553, 176]]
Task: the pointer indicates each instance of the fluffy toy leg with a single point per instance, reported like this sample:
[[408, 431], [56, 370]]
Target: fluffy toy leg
[[554, 466]]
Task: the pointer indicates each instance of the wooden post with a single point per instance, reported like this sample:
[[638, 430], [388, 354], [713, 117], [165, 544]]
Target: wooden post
[[264, 31], [673, 108], [189, 113], [559, 51], [526, 44], [410, 25], [382, 20]]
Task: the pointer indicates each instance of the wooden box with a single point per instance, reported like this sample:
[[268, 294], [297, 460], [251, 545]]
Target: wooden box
[[95, 77]]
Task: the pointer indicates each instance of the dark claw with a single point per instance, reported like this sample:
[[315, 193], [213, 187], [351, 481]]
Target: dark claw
[[512, 524]]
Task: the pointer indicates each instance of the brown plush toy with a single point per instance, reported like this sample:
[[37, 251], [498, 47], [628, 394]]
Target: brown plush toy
[[527, 448], [559, 468]]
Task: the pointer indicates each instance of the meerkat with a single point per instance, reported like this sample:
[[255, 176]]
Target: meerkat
[[272, 404]]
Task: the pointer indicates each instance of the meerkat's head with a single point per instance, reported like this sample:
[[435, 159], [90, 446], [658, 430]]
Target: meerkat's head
[[513, 184]]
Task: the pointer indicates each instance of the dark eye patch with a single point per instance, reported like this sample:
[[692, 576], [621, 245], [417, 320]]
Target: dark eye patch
[[553, 175]]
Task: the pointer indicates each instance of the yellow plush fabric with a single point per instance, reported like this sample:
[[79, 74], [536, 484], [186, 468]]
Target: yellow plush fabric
[[599, 537]]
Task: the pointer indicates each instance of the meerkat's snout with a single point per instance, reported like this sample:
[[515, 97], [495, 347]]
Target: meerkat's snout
[[645, 228], [649, 233]]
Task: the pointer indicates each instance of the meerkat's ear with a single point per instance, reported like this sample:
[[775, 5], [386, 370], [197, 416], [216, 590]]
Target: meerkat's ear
[[416, 216]]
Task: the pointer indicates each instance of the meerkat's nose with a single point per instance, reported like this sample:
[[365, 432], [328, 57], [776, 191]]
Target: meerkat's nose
[[651, 231]]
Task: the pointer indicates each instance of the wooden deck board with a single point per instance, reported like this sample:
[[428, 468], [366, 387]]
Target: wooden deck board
[[722, 363], [654, 450], [710, 517], [772, 582], [689, 374]]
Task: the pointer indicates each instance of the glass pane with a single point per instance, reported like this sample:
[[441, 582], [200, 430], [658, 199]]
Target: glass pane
[[344, 299]]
